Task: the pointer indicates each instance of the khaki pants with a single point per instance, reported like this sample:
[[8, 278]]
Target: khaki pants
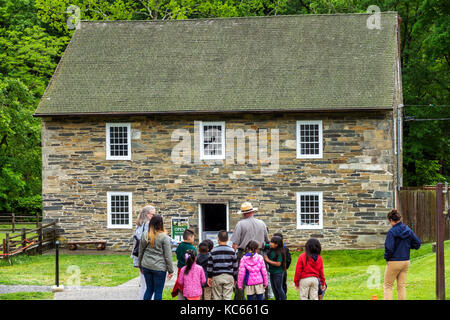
[[309, 289], [395, 270], [207, 293], [222, 287]]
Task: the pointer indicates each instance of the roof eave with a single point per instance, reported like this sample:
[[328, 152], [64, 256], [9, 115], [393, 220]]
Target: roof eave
[[83, 114]]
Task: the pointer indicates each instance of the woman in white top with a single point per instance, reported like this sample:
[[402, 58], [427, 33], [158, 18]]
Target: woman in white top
[[141, 227]]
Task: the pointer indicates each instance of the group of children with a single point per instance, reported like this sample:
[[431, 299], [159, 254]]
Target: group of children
[[215, 272]]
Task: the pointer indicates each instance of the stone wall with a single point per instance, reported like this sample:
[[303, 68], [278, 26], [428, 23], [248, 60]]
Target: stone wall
[[356, 175]]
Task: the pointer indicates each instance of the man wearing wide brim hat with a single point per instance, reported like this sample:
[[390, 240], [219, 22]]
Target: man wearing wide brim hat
[[247, 208], [247, 229]]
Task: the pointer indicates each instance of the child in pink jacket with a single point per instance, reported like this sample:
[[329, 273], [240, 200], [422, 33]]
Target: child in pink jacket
[[253, 273], [192, 277]]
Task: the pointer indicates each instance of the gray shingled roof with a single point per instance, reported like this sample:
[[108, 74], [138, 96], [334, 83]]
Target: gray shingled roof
[[275, 63]]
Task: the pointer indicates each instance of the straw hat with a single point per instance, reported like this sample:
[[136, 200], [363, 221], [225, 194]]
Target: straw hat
[[247, 207]]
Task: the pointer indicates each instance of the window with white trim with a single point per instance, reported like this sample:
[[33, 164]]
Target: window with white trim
[[119, 210], [309, 139], [212, 140], [118, 141], [309, 210]]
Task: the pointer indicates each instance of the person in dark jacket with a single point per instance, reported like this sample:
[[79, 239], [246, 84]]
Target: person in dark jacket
[[288, 261], [399, 241], [202, 260]]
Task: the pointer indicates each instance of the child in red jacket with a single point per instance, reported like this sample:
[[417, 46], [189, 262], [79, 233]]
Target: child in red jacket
[[309, 268]]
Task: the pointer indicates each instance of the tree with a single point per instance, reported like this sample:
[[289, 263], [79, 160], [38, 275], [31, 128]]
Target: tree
[[20, 152]]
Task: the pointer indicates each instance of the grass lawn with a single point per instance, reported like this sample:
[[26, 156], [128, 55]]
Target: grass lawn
[[27, 296], [346, 272], [95, 270]]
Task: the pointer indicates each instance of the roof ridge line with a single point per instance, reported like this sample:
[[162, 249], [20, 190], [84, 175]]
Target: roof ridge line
[[243, 17]]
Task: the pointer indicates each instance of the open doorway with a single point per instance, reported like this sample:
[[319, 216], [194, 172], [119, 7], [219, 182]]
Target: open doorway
[[213, 217]]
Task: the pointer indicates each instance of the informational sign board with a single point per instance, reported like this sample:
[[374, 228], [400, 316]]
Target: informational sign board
[[179, 225], [212, 235]]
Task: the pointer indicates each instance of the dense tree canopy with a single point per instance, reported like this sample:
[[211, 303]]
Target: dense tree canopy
[[34, 34]]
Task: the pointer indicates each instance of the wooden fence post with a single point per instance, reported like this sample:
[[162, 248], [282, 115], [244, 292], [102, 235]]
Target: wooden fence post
[[24, 236], [39, 231], [13, 222], [440, 230], [37, 219], [7, 242]]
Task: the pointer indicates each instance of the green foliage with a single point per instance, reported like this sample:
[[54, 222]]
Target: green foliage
[[34, 34], [30, 55], [19, 149], [53, 13], [427, 172], [426, 69]]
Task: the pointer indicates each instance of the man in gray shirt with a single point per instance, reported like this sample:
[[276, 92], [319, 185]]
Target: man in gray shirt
[[248, 229]]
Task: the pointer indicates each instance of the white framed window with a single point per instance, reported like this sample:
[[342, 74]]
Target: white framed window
[[212, 140], [119, 210], [118, 141], [309, 210], [309, 139]]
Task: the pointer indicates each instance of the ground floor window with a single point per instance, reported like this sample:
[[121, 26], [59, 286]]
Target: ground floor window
[[119, 210], [309, 210]]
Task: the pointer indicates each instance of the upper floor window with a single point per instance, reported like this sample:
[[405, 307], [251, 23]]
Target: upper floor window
[[309, 210], [212, 140], [118, 141], [309, 139]]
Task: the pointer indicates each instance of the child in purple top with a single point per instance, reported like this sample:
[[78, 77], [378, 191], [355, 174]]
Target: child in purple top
[[192, 277]]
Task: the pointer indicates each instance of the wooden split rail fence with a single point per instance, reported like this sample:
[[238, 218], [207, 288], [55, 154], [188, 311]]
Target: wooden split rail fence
[[13, 220], [39, 239]]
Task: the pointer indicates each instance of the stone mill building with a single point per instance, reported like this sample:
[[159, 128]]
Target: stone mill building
[[297, 114]]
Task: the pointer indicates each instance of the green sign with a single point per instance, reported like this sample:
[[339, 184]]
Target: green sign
[[179, 225]]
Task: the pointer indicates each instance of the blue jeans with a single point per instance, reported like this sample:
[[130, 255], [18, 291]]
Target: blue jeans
[[256, 297], [276, 281], [155, 283]]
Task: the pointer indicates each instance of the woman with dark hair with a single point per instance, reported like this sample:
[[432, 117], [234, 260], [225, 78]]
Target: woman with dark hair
[[276, 258], [155, 258], [309, 268], [399, 241]]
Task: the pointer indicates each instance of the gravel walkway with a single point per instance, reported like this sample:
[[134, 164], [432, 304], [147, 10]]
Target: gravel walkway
[[23, 288], [30, 288]]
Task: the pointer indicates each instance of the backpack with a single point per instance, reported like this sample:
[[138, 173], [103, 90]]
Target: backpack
[[136, 246]]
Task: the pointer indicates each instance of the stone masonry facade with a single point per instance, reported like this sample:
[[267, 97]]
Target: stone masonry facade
[[356, 175]]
